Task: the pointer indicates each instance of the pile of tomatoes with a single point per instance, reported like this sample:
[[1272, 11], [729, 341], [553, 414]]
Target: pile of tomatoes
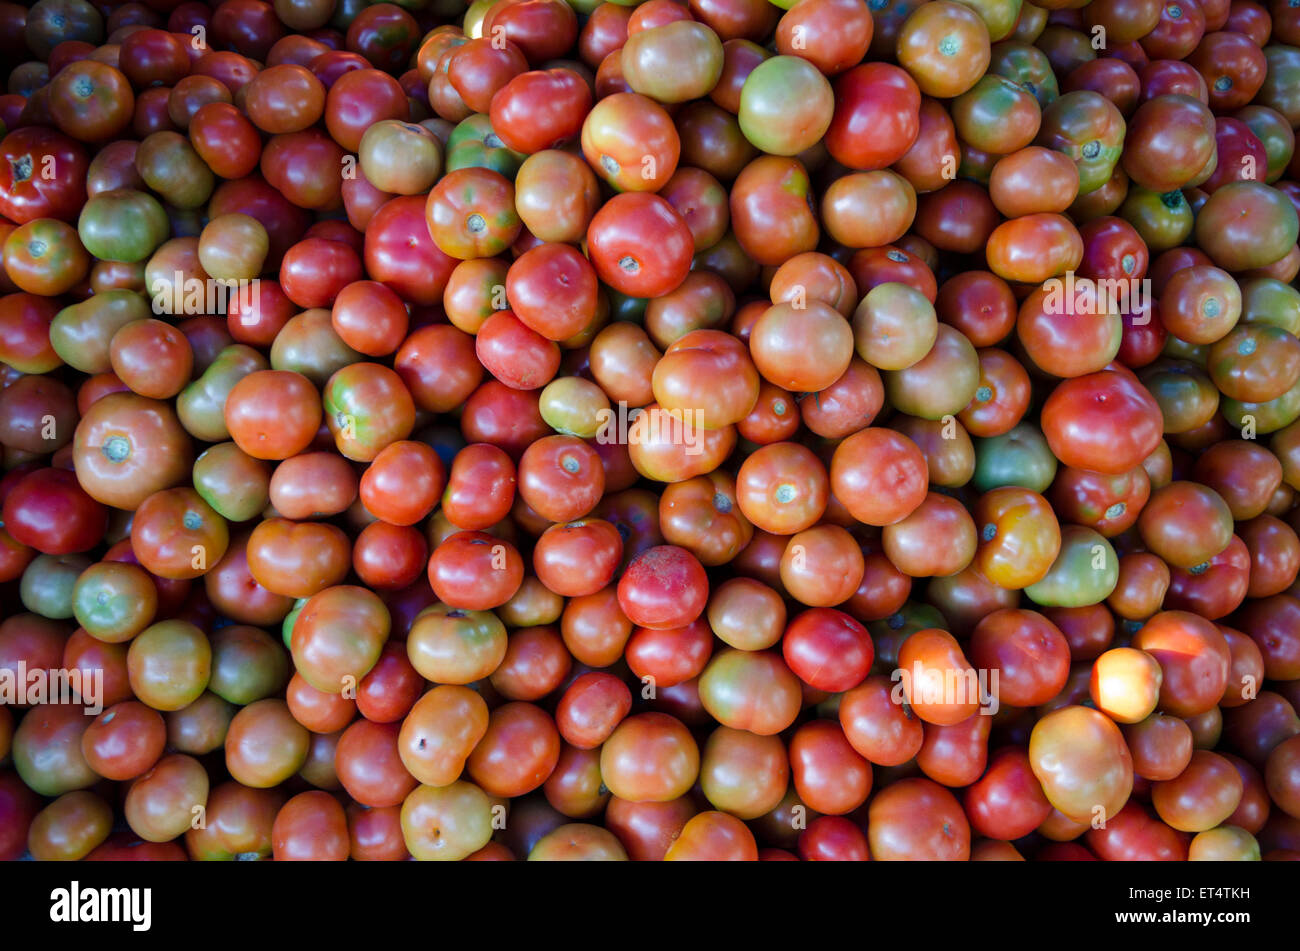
[[561, 429]]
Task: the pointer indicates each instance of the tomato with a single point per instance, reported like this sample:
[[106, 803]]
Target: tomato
[[1202, 796], [695, 51], [474, 571], [931, 658], [786, 105], [175, 534], [1104, 421], [1193, 657], [894, 326], [1097, 776], [367, 408], [631, 140], [48, 510], [782, 488], [369, 767], [879, 475], [1007, 802], [713, 836], [386, 36], [540, 109], [403, 483], [1028, 651], [818, 752], [1090, 130], [160, 804], [1185, 524], [471, 213], [26, 193], [917, 819], [831, 34], [338, 637], [744, 773], [25, 321], [1217, 228], [828, 650], [1035, 248], [310, 827], [912, 543], [663, 587], [945, 48], [940, 384], [802, 349], [556, 195], [400, 252], [640, 245], [358, 99], [750, 691], [265, 744], [553, 290]]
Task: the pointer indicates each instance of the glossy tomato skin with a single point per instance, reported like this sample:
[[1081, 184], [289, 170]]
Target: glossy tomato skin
[[877, 116], [828, 649], [649, 757], [714, 836], [1007, 802], [640, 245], [752, 691], [400, 252], [540, 109], [1104, 421], [917, 819], [773, 209], [315, 270], [49, 511], [1133, 835], [1081, 784]]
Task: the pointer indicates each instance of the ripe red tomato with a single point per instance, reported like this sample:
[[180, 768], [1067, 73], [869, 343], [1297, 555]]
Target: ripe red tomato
[[640, 245]]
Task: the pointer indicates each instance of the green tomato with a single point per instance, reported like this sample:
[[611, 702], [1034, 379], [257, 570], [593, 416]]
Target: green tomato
[[48, 582], [1019, 457], [201, 405], [1264, 300], [1085, 572], [1262, 418], [236, 485], [286, 626], [123, 225], [247, 664], [785, 105], [80, 333]]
